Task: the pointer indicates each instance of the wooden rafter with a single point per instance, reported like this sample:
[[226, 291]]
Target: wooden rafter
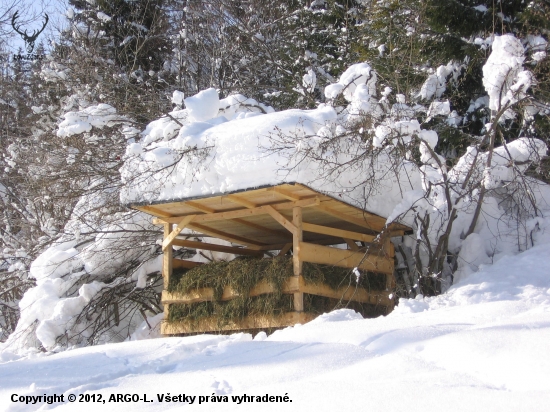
[[199, 207], [241, 213], [373, 226], [243, 222], [352, 245], [154, 211], [241, 201], [285, 249], [287, 194], [275, 232]]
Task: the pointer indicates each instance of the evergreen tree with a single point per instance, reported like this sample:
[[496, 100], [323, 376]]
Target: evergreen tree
[[263, 49], [406, 40]]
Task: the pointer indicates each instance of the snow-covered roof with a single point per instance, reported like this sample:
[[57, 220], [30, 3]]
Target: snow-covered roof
[[179, 158]]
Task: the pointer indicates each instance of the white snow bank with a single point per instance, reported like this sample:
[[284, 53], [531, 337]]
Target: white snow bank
[[482, 345]]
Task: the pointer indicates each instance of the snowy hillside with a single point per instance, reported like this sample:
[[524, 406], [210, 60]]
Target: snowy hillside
[[481, 346]]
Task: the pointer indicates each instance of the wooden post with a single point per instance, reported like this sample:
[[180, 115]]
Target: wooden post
[[389, 251], [167, 257], [297, 237]]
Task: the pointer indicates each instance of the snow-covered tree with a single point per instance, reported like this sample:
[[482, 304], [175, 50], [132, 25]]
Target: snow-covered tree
[[443, 115], [282, 53]]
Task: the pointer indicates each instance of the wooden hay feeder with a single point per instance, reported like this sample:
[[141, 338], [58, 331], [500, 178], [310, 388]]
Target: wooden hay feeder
[[278, 219]]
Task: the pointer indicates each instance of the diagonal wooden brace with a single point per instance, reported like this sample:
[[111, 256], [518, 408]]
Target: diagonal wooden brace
[[181, 225], [287, 224]]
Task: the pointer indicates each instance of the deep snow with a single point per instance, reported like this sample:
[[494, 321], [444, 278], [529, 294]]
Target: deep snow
[[481, 346]]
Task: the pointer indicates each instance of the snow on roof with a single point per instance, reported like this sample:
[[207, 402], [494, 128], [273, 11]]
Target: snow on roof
[[242, 148]]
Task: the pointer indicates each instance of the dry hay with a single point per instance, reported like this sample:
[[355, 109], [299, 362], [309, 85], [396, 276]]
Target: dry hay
[[242, 274]]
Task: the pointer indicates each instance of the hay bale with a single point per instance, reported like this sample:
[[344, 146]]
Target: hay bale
[[242, 274]]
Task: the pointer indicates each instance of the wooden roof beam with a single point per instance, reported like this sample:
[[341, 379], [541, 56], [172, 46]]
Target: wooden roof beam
[[248, 205], [199, 207], [153, 211], [241, 201], [241, 213], [262, 228], [286, 193]]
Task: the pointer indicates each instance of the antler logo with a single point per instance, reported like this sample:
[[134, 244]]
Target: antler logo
[[29, 40]]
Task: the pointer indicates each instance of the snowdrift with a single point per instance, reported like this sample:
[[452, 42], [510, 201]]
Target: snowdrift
[[482, 345]]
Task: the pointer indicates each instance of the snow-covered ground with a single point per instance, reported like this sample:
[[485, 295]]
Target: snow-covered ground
[[481, 346]]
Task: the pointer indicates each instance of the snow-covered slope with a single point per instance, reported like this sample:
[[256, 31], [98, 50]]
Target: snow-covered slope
[[481, 346]]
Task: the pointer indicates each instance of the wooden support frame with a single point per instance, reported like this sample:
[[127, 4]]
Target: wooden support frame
[[241, 213], [352, 245], [181, 225], [237, 218], [167, 262], [262, 228], [284, 250], [291, 286], [153, 211], [200, 208], [207, 294], [208, 211], [167, 256], [344, 234], [283, 221], [286, 193], [310, 252], [240, 201]]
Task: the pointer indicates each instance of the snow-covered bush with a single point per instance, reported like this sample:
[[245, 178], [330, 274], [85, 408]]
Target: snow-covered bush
[[100, 276]]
